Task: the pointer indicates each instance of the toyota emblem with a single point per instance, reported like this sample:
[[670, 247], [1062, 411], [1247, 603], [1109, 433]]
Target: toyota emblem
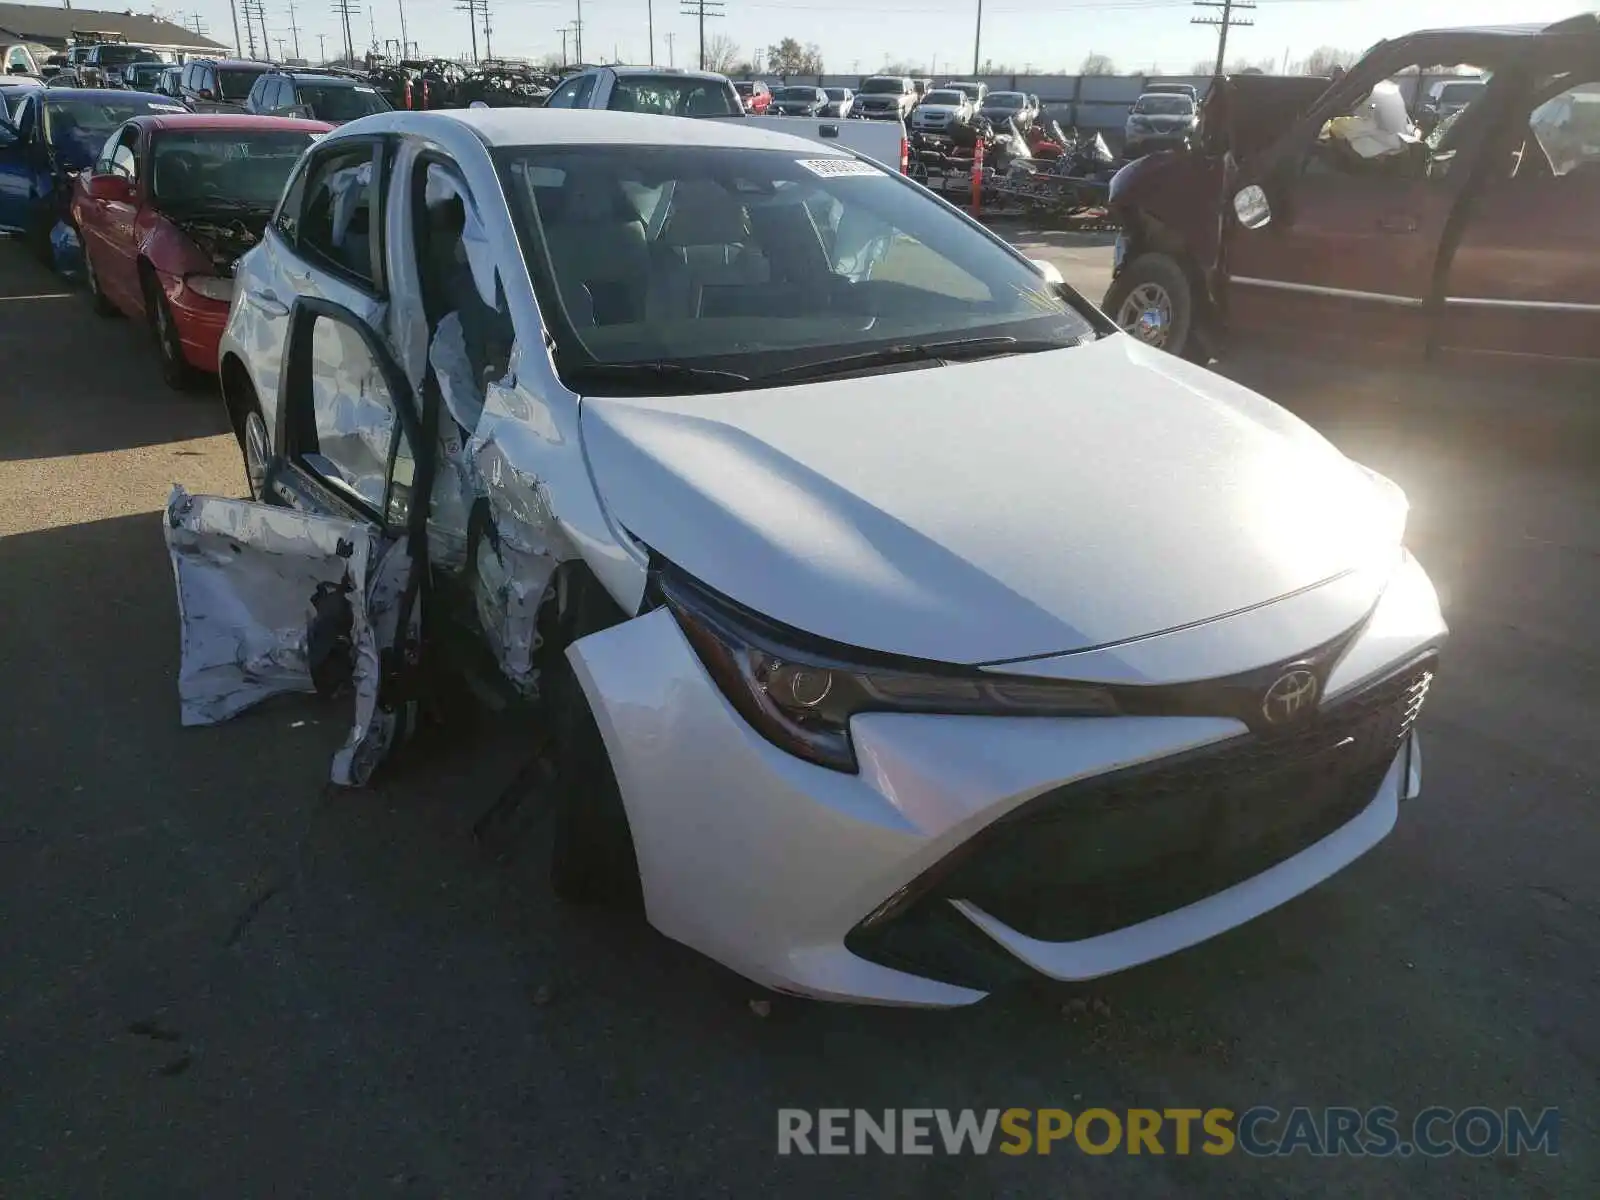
[[1291, 696]]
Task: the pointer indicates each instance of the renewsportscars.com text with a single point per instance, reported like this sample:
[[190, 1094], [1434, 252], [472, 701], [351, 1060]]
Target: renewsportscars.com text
[[1260, 1131]]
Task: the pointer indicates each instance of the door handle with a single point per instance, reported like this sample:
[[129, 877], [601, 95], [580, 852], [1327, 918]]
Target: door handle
[[268, 303], [1397, 224]]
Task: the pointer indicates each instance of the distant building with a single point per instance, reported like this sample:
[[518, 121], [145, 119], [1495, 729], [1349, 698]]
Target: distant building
[[56, 27]]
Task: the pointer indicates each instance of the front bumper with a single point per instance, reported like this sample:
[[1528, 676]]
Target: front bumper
[[1136, 144], [972, 849]]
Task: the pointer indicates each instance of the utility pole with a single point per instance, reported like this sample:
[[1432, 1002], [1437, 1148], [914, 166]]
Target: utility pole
[[294, 29], [372, 24], [1224, 22], [977, 39], [650, 25], [344, 9], [563, 32], [237, 44], [577, 36], [470, 7], [322, 47], [672, 54], [702, 9], [488, 30], [401, 5]]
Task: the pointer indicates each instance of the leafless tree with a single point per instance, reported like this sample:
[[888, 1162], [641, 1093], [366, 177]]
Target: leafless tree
[[722, 53], [1097, 64]]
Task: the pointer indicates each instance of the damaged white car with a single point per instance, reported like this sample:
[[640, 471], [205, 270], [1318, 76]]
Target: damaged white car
[[899, 626]]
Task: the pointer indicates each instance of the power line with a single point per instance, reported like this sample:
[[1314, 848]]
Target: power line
[[702, 9], [1224, 22]]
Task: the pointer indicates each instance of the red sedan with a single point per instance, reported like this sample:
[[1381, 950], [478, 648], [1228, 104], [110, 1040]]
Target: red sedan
[[172, 203]]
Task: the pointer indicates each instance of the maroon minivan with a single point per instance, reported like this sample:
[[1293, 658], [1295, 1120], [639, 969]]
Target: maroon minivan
[[1316, 210]]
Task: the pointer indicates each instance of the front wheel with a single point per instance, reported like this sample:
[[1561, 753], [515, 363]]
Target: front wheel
[[1151, 299], [175, 369]]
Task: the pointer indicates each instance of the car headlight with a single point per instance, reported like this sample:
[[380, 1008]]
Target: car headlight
[[800, 693], [212, 287]]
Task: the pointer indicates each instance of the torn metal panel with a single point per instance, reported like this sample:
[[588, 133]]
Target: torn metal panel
[[443, 186], [514, 573], [376, 727], [245, 575]]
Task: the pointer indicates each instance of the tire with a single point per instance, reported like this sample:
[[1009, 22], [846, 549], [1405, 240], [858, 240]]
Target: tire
[[1152, 300], [97, 299], [592, 859], [255, 444], [175, 369]]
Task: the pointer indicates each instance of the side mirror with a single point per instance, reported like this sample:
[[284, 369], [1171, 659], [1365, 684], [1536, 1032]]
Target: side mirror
[[113, 189], [1251, 207]]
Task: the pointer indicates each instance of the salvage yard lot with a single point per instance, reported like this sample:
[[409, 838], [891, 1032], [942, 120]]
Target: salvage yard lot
[[218, 977]]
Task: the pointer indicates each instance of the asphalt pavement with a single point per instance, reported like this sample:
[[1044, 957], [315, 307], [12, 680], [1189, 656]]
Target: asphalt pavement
[[219, 977]]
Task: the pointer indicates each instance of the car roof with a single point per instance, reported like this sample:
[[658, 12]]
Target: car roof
[[252, 64], [227, 122], [104, 94], [584, 126], [325, 77], [674, 72]]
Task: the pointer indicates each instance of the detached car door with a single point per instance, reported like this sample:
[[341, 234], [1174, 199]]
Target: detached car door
[[1359, 207], [1525, 276], [317, 589]]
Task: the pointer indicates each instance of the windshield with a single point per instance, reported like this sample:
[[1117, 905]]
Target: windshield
[[1005, 100], [335, 102], [675, 96], [113, 56], [78, 128], [236, 82], [883, 87], [698, 258], [836, 93], [218, 168], [796, 93], [952, 98], [1165, 106], [1458, 93]]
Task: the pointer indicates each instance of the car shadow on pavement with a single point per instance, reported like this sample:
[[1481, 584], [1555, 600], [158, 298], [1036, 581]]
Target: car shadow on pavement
[[51, 345]]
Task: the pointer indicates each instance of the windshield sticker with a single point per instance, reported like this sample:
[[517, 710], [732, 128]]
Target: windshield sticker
[[836, 168]]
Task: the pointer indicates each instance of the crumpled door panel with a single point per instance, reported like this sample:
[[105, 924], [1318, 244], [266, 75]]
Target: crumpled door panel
[[272, 601]]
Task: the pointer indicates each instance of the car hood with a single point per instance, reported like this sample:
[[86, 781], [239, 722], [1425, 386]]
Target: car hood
[[1024, 506], [938, 110]]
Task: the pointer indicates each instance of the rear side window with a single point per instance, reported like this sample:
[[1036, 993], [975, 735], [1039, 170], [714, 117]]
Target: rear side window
[[572, 94], [339, 221]]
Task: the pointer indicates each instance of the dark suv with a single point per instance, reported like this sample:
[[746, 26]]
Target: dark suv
[[219, 84], [105, 65], [318, 95]]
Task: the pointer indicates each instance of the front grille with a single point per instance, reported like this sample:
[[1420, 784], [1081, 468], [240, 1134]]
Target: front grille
[[1111, 851]]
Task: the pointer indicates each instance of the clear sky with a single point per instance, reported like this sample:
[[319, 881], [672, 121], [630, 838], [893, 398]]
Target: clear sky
[[858, 35]]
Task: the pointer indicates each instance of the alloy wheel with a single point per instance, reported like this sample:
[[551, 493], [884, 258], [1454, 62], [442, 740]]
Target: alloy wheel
[[1147, 314], [256, 453]]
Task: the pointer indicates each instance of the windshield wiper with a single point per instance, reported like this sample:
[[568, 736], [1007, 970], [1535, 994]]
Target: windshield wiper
[[670, 377], [932, 353]]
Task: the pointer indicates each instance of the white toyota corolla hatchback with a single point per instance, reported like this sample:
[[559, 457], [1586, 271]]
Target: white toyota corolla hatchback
[[897, 626]]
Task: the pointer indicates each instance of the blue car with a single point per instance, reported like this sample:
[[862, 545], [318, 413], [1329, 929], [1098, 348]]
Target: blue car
[[52, 134]]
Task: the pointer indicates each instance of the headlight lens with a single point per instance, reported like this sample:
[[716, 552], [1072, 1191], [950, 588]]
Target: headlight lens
[[801, 696], [212, 287]]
